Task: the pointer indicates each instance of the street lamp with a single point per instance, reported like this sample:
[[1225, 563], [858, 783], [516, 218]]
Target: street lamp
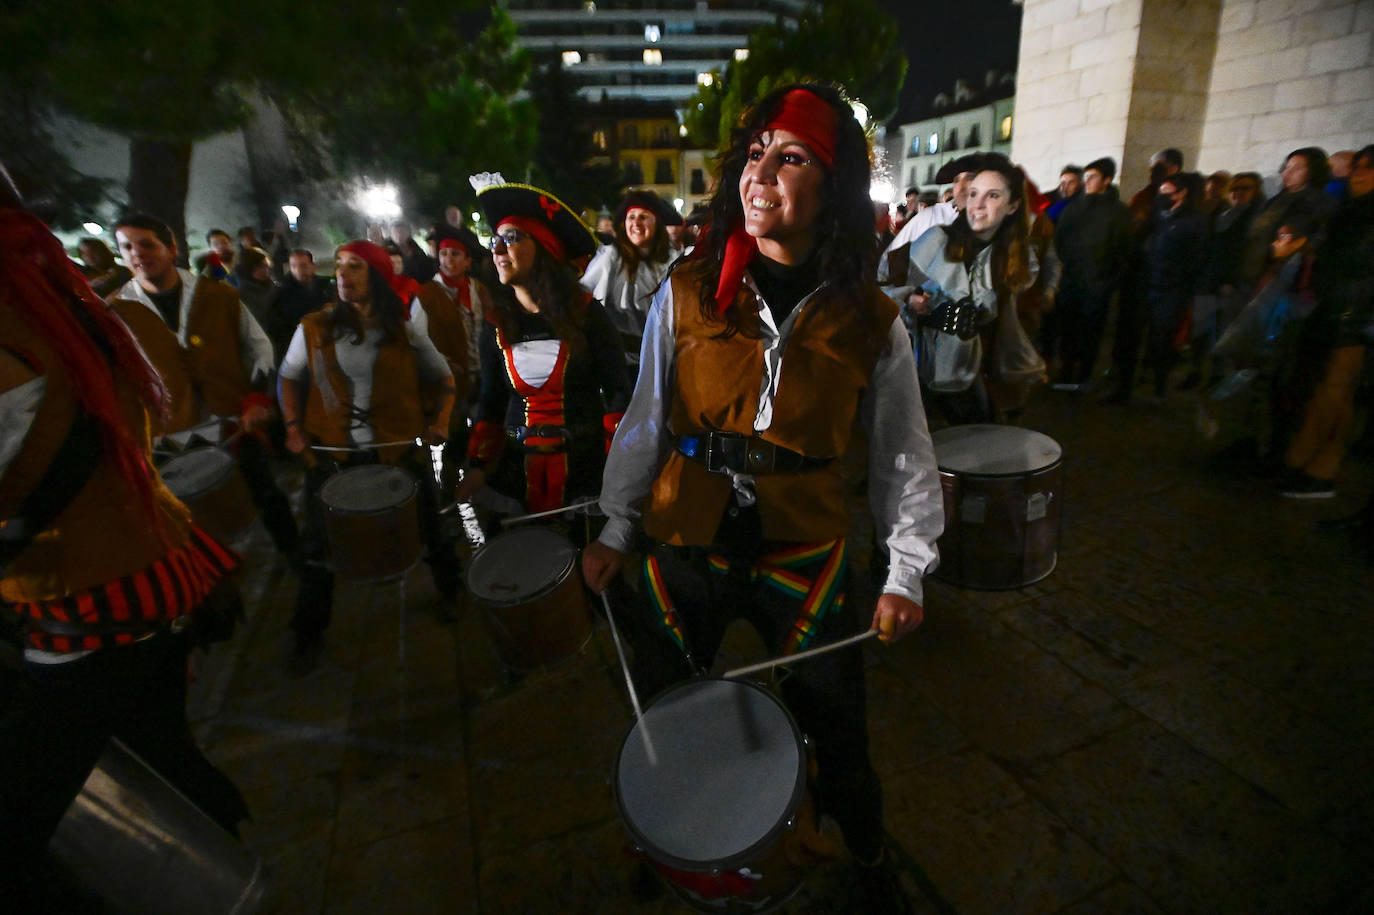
[[292, 213], [378, 202], [93, 228]]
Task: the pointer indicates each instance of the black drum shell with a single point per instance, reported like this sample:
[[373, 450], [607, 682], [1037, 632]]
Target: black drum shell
[[1001, 530]]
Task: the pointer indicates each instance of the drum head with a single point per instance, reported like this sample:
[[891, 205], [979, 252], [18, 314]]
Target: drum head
[[728, 773], [196, 471], [988, 450], [363, 490], [520, 565]]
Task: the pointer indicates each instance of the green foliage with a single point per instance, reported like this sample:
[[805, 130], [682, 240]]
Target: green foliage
[[848, 42]]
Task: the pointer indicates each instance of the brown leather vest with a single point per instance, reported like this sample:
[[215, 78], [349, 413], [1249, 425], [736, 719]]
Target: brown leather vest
[[826, 368], [396, 412], [101, 535], [448, 331], [207, 375]]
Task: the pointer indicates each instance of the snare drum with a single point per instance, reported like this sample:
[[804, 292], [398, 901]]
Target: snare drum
[[371, 521], [535, 607], [714, 804], [1003, 497], [209, 482]]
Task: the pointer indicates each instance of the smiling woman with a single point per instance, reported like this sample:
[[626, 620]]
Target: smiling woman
[[732, 463], [623, 276]]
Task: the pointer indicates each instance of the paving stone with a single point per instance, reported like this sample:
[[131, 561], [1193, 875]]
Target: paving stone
[[422, 871], [1171, 819], [1120, 898], [984, 844], [292, 830]]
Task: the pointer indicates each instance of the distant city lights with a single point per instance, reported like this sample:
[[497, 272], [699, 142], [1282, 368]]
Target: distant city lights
[[572, 58]]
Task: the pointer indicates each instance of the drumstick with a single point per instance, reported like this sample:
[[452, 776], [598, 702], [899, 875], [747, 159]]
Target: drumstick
[[801, 655], [629, 684], [370, 447], [553, 511]]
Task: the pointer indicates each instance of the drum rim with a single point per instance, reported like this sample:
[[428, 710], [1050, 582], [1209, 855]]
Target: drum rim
[[223, 475], [744, 856], [1000, 429], [409, 477], [1008, 475], [527, 598]]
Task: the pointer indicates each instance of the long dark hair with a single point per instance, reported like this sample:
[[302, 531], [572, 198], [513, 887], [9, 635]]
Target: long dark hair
[[552, 283], [1010, 243], [1318, 168], [844, 224], [387, 308]]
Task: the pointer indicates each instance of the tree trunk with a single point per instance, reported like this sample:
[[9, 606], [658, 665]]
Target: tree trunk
[[159, 179]]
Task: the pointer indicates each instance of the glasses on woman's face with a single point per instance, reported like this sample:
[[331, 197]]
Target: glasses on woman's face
[[506, 238]]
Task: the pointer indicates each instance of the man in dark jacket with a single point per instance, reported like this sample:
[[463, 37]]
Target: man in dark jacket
[[1173, 254], [1093, 240], [299, 294]]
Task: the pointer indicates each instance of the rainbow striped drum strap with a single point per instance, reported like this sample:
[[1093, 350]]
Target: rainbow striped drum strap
[[783, 570]]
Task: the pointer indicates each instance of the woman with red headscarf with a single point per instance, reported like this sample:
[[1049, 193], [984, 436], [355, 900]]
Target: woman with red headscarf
[[761, 353], [359, 373], [553, 371], [101, 568]]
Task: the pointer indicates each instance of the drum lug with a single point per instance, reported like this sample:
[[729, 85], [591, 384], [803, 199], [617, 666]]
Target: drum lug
[[792, 822]]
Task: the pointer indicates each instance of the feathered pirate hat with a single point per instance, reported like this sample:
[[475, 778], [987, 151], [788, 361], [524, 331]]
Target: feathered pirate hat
[[548, 220]]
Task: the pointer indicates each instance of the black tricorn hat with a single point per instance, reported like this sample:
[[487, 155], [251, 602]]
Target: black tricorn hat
[[502, 201], [970, 163], [647, 200]]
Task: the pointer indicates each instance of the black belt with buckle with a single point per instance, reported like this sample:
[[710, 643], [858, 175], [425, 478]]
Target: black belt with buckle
[[520, 435], [720, 452]]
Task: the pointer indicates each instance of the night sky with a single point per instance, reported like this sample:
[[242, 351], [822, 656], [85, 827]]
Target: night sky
[[948, 41]]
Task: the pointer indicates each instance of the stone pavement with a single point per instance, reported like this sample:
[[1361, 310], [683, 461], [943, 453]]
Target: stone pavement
[[1177, 720]]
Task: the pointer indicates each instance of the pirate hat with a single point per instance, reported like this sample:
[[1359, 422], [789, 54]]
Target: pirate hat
[[546, 218], [952, 169]]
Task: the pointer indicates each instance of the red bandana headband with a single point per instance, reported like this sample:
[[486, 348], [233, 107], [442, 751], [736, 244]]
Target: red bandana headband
[[454, 243], [811, 118], [379, 260], [537, 230]]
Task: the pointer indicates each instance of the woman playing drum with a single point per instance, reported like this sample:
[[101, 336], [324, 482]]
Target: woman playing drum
[[761, 352], [358, 373], [553, 370]]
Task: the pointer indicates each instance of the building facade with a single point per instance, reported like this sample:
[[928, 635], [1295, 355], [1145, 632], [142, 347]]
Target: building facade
[[654, 51], [960, 123], [1233, 84]]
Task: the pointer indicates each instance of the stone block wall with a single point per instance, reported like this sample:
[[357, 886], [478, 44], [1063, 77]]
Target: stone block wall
[[1289, 73]]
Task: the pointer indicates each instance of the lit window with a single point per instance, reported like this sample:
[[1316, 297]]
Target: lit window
[[1006, 128], [599, 139], [571, 58], [652, 33], [741, 53], [589, 7], [933, 144], [653, 57], [916, 146], [682, 130], [705, 79]]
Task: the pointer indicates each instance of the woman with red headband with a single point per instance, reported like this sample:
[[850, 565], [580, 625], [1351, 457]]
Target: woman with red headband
[[553, 371], [761, 353], [357, 372]]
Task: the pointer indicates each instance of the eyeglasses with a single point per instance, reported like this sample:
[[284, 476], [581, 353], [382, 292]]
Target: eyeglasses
[[506, 239]]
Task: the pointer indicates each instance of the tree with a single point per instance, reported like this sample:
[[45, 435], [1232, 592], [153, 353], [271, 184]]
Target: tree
[[166, 75], [564, 144], [850, 42]]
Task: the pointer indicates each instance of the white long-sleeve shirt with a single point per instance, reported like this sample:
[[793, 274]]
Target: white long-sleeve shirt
[[903, 483]]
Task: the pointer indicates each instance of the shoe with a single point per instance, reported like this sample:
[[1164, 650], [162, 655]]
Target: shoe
[[1303, 486], [880, 889], [1118, 395]]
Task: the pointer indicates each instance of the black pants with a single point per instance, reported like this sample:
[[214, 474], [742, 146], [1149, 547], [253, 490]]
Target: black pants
[[251, 455], [315, 599], [1082, 315], [825, 694], [58, 719], [960, 408]]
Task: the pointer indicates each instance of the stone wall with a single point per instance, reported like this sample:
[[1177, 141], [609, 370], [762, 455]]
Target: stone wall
[[1289, 73], [1234, 84]]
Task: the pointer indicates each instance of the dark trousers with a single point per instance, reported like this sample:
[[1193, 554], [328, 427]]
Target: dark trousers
[[825, 694], [1082, 315], [1132, 317], [57, 720], [315, 599], [272, 503], [961, 408]]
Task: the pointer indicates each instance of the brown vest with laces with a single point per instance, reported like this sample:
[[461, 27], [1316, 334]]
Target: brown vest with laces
[[826, 366], [396, 412]]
